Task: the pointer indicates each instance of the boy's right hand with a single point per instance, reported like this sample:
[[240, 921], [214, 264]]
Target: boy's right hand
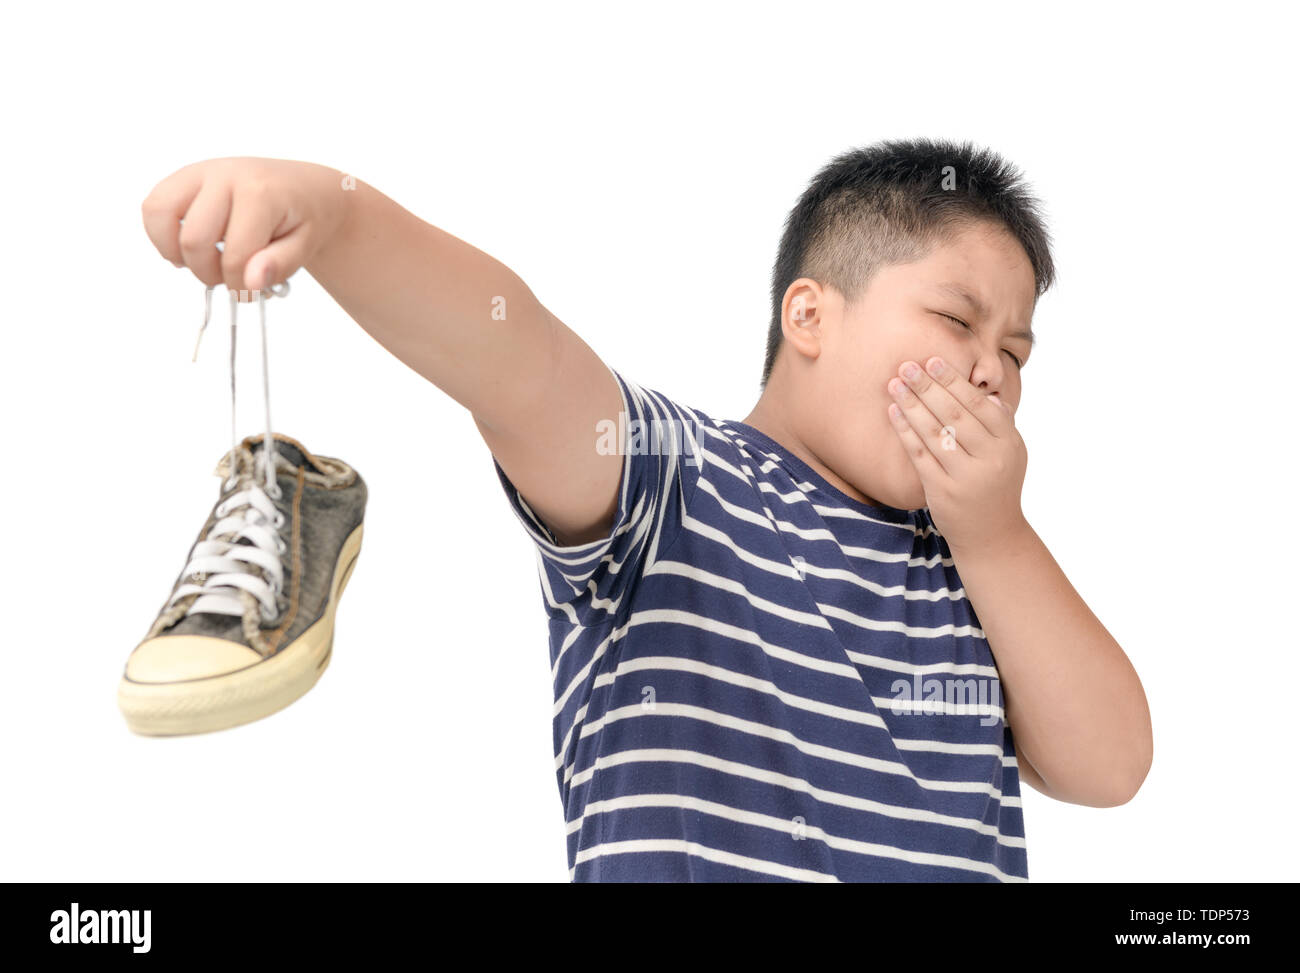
[[272, 214]]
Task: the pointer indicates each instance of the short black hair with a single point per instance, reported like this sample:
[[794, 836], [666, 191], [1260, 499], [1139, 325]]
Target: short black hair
[[892, 202]]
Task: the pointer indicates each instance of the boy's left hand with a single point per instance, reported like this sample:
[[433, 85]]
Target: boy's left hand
[[967, 452]]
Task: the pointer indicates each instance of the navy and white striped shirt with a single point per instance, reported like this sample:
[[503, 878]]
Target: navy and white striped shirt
[[758, 677]]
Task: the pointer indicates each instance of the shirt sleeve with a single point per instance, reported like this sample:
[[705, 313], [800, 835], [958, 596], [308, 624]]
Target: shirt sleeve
[[659, 441]]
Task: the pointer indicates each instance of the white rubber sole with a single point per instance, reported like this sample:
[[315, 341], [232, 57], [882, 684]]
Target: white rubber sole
[[220, 702]]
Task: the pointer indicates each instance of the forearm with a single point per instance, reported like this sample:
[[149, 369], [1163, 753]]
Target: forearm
[[454, 314], [1071, 696]]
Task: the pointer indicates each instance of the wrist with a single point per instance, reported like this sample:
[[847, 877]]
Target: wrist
[[338, 198], [1014, 537]]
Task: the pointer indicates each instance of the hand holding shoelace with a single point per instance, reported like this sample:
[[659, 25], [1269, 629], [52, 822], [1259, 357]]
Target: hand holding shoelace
[[272, 215], [249, 224]]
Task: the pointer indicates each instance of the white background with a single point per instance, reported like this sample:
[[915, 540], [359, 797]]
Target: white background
[[635, 169]]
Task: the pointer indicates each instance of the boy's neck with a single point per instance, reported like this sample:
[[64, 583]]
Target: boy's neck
[[773, 424]]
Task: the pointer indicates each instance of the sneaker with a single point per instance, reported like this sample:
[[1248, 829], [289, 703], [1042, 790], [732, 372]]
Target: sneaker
[[249, 625]]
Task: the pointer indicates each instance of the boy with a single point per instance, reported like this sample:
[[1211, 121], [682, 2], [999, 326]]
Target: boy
[[766, 665]]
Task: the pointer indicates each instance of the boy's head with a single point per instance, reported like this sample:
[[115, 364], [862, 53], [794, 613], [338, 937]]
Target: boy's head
[[871, 272]]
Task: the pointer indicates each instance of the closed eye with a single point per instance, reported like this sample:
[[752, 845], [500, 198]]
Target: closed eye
[[1019, 363]]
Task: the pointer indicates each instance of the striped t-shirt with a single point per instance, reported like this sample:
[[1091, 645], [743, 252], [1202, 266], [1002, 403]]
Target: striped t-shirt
[[758, 677]]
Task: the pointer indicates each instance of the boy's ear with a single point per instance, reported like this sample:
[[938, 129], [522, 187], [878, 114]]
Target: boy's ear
[[801, 316]]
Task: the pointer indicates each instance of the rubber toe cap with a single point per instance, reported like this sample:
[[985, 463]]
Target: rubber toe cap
[[176, 658]]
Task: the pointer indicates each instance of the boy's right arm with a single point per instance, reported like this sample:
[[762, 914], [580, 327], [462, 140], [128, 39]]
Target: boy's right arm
[[451, 312]]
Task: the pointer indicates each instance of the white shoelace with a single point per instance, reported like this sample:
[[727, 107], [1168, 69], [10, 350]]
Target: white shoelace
[[220, 568]]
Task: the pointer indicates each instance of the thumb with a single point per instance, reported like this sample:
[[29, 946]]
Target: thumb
[[277, 261]]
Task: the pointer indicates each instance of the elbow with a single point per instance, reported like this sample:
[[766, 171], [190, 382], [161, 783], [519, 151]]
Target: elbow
[[1124, 785]]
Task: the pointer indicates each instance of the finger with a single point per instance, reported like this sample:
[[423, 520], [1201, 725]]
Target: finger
[[942, 442], [204, 224], [956, 404], [277, 261], [937, 422], [927, 466], [163, 208], [251, 225]]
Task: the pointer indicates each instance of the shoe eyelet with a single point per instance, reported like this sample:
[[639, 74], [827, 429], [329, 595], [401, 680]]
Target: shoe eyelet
[[281, 546], [279, 519], [275, 492]]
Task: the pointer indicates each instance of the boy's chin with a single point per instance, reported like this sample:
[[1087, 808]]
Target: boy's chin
[[907, 494]]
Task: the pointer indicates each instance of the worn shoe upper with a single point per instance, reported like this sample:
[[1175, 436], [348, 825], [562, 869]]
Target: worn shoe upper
[[322, 501]]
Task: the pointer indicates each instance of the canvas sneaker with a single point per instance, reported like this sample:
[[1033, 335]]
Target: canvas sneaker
[[249, 624]]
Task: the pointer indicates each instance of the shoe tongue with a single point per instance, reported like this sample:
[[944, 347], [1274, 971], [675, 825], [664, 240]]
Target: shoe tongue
[[288, 450]]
